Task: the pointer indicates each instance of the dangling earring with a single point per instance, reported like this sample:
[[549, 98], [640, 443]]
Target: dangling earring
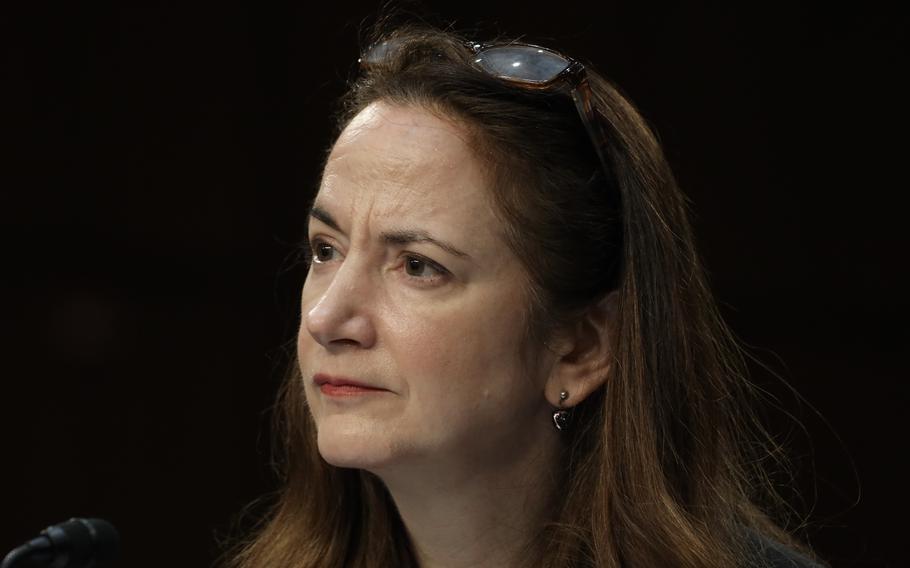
[[562, 417]]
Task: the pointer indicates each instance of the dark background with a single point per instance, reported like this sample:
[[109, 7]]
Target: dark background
[[156, 163]]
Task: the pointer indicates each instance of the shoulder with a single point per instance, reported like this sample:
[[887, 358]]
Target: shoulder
[[771, 554]]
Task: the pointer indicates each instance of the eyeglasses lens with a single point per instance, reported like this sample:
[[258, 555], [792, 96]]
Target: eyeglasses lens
[[522, 63]]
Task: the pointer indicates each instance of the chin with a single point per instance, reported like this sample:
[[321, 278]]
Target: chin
[[348, 443]]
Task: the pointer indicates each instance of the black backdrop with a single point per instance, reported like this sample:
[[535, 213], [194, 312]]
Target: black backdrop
[[157, 159]]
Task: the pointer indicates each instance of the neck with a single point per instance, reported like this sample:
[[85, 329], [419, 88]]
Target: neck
[[478, 517]]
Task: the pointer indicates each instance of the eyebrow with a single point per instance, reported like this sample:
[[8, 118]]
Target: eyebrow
[[398, 237]]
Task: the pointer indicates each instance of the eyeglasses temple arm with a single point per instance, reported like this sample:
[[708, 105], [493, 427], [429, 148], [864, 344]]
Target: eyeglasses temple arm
[[582, 96]]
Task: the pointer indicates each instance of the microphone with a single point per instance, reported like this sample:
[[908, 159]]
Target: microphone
[[77, 543]]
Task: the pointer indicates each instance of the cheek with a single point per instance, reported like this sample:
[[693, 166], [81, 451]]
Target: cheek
[[470, 396], [465, 362]]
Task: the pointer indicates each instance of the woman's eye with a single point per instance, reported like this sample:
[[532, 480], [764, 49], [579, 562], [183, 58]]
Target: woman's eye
[[422, 268], [322, 252]]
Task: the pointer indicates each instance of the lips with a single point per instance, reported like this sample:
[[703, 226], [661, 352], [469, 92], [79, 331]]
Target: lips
[[343, 386]]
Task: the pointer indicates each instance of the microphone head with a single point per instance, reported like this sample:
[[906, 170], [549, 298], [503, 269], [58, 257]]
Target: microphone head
[[83, 542]]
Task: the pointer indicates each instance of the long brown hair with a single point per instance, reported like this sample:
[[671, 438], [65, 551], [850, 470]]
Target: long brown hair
[[665, 465]]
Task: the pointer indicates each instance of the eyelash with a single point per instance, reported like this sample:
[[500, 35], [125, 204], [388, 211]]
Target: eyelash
[[311, 254]]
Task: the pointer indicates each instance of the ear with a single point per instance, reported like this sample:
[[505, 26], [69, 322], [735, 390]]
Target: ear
[[584, 354]]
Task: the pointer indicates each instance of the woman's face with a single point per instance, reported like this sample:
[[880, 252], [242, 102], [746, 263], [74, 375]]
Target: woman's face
[[413, 292]]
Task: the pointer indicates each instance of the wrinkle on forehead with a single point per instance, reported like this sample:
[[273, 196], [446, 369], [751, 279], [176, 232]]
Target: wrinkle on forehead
[[414, 129]]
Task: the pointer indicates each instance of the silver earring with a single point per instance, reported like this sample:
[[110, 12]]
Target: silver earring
[[562, 417]]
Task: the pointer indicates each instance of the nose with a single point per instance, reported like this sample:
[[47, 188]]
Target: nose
[[340, 316]]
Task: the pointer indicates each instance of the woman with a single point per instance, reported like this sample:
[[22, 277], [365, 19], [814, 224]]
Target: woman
[[508, 354]]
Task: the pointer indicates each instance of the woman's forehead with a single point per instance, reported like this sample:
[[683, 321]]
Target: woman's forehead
[[403, 156], [397, 141]]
